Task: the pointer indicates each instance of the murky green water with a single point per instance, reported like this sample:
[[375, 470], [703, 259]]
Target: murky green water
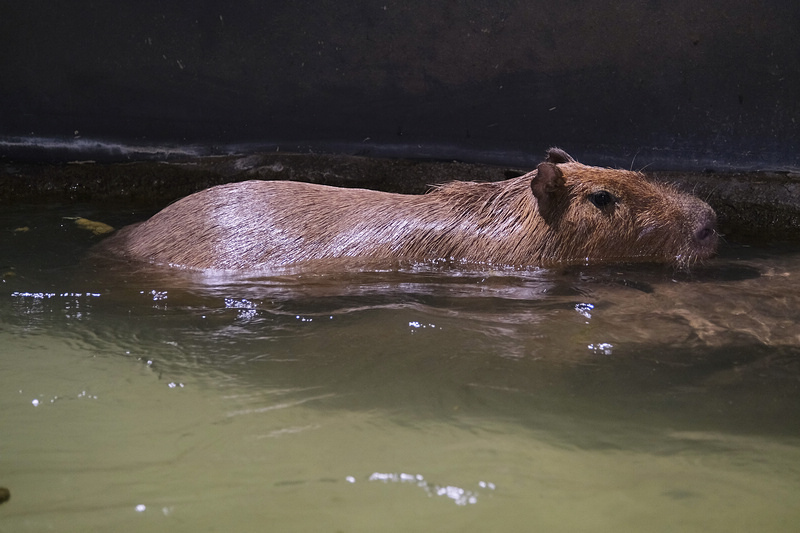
[[607, 399]]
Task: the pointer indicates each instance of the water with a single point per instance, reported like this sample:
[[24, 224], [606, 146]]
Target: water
[[626, 398]]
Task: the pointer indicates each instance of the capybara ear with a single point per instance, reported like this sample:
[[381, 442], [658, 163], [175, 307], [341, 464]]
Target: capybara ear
[[557, 155], [547, 185]]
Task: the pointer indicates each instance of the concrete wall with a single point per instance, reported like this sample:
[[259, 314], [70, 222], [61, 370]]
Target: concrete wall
[[678, 84]]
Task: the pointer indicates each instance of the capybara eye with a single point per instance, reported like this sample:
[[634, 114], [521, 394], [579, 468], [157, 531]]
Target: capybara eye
[[601, 199]]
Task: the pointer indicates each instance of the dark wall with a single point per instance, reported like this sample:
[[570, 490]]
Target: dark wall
[[672, 84]]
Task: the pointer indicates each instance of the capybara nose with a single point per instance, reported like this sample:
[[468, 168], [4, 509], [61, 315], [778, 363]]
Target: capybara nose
[[705, 234]]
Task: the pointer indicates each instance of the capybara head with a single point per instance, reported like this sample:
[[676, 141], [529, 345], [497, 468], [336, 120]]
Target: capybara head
[[599, 214]]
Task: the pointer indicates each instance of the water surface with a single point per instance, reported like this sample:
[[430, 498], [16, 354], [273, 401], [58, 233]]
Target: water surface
[[621, 398]]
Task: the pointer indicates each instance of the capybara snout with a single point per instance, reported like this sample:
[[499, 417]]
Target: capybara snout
[[563, 212], [618, 215]]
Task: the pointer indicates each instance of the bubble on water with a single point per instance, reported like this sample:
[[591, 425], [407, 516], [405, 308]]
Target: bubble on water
[[458, 495], [602, 348], [584, 309], [246, 309], [419, 325], [156, 295]]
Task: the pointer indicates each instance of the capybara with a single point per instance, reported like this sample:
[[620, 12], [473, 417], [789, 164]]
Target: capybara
[[563, 212]]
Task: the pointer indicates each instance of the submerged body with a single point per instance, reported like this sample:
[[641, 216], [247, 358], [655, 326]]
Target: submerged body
[[563, 212]]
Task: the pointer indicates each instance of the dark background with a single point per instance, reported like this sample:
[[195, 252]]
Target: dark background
[[678, 84]]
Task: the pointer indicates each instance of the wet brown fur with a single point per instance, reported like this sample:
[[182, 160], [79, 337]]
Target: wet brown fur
[[543, 218]]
